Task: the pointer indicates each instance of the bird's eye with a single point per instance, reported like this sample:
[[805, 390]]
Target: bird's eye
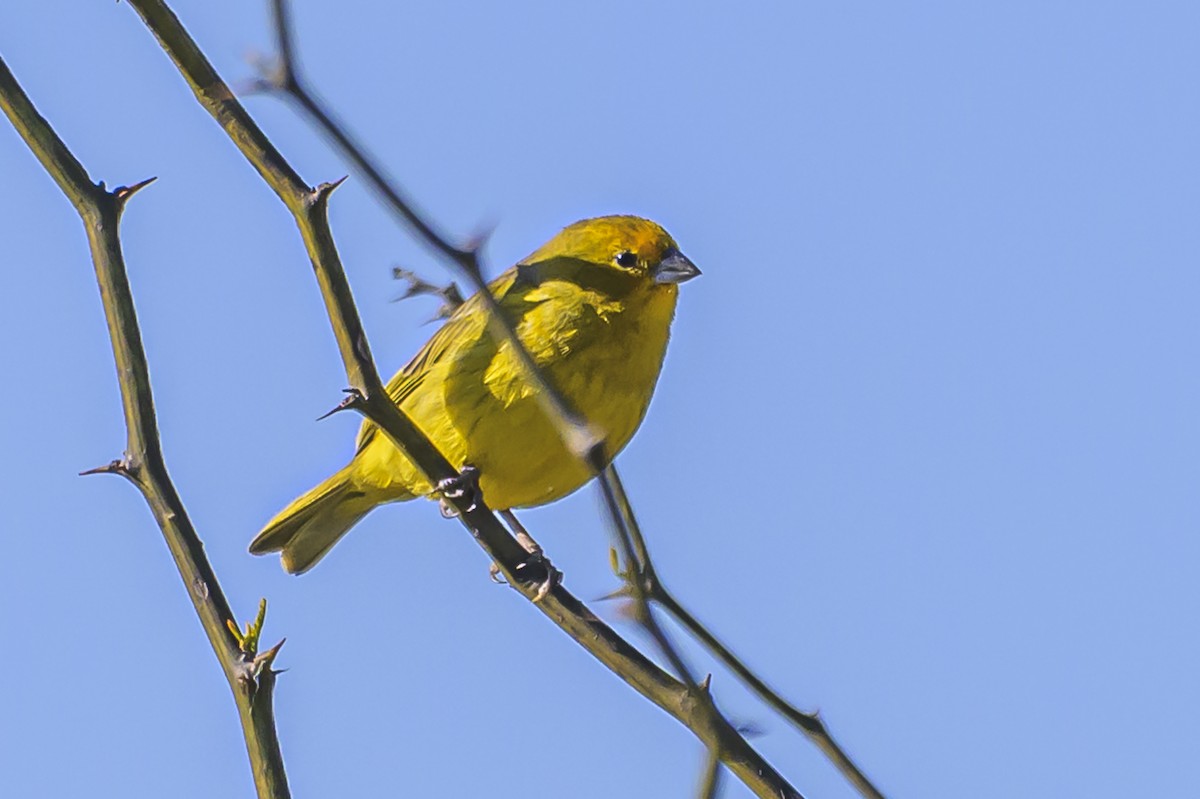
[[626, 258]]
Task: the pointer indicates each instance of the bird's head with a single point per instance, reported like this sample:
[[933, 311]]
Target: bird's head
[[630, 245]]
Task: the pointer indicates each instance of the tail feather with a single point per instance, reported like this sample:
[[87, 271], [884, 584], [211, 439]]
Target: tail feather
[[306, 529]]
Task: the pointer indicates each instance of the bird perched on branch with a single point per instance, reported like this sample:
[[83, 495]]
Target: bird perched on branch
[[593, 307]]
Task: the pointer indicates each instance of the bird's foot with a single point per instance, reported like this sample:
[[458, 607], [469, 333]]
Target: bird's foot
[[536, 568], [464, 486]]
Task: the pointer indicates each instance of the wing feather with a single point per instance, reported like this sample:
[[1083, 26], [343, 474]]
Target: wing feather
[[462, 326]]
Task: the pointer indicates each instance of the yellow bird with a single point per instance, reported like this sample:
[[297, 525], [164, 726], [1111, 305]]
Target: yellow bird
[[593, 307]]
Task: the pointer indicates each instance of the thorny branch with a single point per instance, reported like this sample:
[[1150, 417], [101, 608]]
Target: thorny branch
[[643, 587], [248, 672], [309, 207], [284, 77]]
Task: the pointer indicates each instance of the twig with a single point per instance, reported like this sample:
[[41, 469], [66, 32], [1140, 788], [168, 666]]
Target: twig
[[451, 296], [642, 575], [368, 397], [249, 673], [710, 779]]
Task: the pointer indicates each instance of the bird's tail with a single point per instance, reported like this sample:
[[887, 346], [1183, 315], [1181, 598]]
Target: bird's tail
[[306, 529]]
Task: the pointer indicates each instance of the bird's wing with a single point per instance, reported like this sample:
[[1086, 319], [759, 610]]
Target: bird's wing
[[463, 326]]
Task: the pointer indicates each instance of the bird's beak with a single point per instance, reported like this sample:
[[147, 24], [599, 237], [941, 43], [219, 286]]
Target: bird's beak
[[674, 268]]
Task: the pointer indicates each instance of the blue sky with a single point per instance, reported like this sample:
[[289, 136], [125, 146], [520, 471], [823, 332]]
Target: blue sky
[[924, 450]]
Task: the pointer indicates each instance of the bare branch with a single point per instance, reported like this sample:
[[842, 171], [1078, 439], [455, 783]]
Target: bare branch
[[142, 464], [309, 208]]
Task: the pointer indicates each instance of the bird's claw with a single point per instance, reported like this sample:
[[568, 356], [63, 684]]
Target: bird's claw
[[465, 486], [494, 573], [538, 569], [553, 578]]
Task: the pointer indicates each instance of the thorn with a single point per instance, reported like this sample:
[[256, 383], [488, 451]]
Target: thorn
[[705, 684], [451, 295], [265, 659], [624, 592], [331, 186], [123, 193], [321, 193], [418, 285], [113, 467], [353, 397]]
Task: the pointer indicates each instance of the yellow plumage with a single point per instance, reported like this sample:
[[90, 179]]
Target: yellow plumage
[[593, 306]]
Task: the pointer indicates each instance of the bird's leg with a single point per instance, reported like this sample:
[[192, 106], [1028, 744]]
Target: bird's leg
[[536, 556], [523, 536], [464, 486]]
